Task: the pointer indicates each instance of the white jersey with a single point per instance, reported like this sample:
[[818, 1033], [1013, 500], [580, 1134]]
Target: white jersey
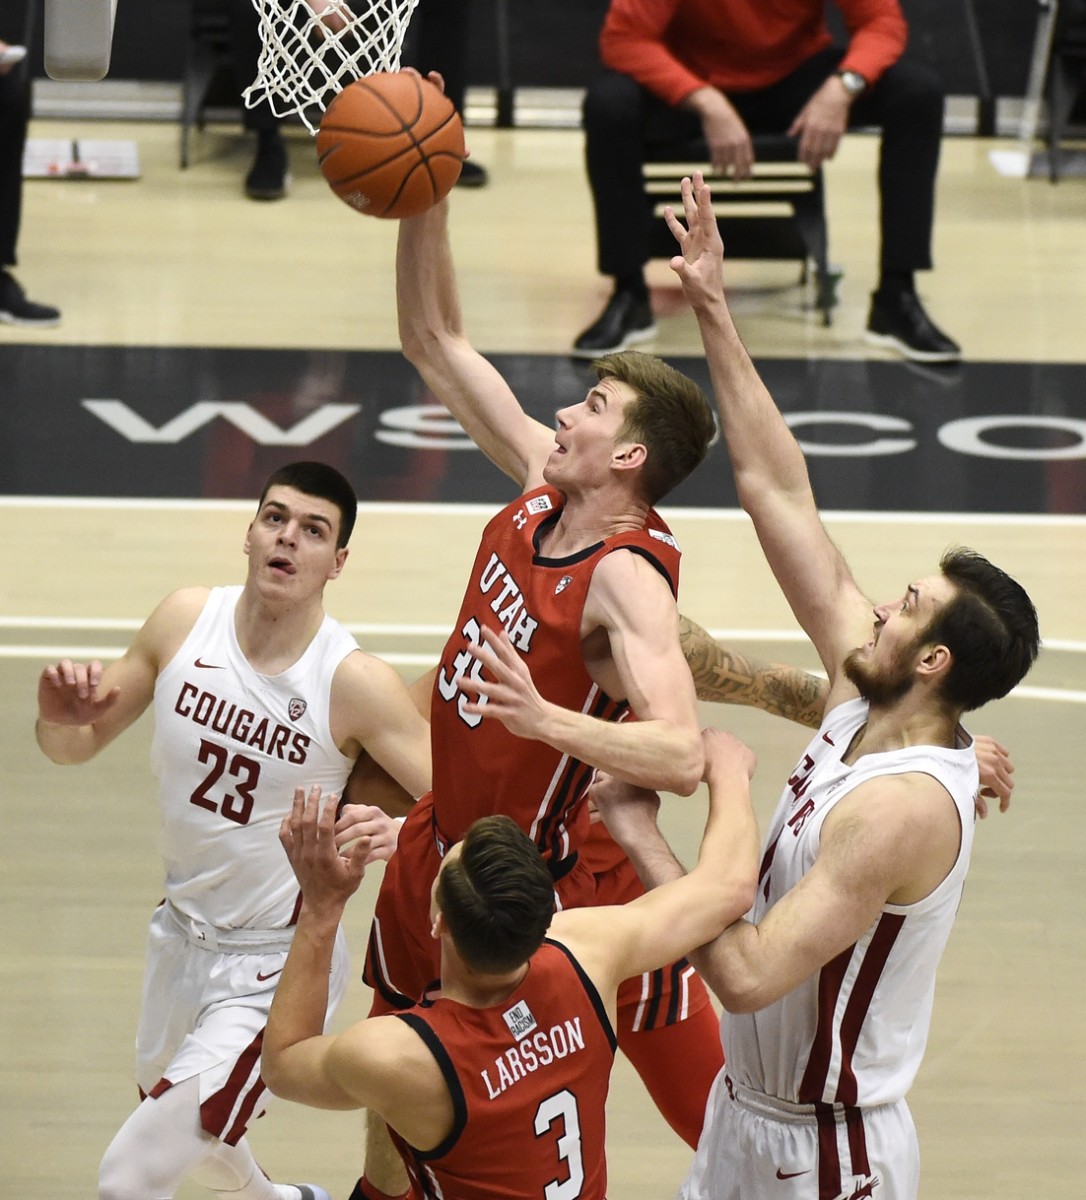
[[853, 1033], [230, 746]]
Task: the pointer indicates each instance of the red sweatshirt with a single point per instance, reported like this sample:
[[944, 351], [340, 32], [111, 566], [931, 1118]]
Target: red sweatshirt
[[674, 47]]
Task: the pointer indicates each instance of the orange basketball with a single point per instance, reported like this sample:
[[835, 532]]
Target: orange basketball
[[391, 145]]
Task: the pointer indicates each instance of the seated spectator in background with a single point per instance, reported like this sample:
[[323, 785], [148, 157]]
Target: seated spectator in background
[[726, 69], [15, 308], [438, 41], [269, 175]]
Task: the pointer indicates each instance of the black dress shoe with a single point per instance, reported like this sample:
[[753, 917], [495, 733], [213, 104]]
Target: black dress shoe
[[16, 309], [626, 320], [267, 178], [898, 320], [472, 175]]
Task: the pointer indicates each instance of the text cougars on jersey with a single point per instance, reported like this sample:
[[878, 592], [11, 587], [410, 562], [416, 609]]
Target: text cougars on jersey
[[539, 1050], [232, 721]]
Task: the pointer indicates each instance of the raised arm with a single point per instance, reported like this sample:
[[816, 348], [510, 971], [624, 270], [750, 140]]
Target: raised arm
[[670, 921], [770, 470], [82, 707], [892, 841], [723, 675], [432, 335], [367, 1065]]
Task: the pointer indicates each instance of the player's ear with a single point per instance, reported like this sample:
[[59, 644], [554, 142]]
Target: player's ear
[[629, 455], [248, 539], [934, 660], [341, 561]]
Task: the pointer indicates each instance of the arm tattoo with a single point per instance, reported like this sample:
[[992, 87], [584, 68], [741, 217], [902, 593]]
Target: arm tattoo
[[722, 675]]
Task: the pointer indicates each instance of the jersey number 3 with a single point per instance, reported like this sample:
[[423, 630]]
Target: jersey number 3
[[562, 1107]]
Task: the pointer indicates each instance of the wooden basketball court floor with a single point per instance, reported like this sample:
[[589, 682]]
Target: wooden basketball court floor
[[182, 259]]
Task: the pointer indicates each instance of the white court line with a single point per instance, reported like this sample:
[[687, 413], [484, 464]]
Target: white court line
[[430, 509], [368, 629], [47, 654], [122, 624]]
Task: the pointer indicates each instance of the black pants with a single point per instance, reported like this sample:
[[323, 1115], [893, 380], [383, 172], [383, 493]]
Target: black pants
[[14, 118], [437, 40], [622, 120], [245, 52]]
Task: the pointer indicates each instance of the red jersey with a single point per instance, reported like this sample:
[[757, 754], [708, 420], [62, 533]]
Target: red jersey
[[479, 766], [528, 1080]]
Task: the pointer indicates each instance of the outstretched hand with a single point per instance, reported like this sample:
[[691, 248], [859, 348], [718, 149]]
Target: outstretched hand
[[68, 693], [327, 878], [700, 261], [509, 693]]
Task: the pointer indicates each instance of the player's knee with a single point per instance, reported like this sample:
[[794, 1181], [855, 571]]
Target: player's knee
[[121, 1180], [130, 1171]]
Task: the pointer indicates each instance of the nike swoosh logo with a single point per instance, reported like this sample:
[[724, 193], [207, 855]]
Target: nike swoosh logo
[[270, 975], [789, 1174], [199, 662]]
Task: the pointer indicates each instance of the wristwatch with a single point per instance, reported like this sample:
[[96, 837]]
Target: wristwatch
[[854, 82]]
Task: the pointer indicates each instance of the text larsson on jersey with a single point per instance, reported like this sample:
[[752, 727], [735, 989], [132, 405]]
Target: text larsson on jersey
[[532, 1052]]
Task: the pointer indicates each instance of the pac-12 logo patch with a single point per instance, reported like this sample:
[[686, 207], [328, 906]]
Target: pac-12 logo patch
[[295, 708], [539, 504], [519, 1019], [660, 536], [563, 583]]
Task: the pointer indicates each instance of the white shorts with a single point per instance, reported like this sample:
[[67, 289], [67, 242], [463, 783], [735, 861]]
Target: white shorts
[[204, 1012], [760, 1148]]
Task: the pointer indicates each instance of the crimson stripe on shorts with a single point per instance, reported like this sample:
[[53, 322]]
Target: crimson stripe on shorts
[[830, 978], [215, 1110], [829, 1161], [859, 1002], [857, 1141], [245, 1112]]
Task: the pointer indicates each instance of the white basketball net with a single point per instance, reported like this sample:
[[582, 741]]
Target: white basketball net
[[312, 49]]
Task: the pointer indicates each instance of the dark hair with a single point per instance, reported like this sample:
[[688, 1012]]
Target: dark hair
[[318, 479], [671, 417], [497, 898], [990, 628]]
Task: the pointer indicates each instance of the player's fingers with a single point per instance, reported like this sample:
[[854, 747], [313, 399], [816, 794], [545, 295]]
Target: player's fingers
[[327, 821], [292, 822], [357, 858], [82, 681]]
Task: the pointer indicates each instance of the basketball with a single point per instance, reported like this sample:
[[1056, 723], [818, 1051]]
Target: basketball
[[391, 145]]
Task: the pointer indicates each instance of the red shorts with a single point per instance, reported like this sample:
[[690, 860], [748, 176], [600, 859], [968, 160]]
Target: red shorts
[[656, 998]]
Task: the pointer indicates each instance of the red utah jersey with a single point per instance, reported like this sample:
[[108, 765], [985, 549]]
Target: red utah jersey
[[528, 1080], [479, 766]]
